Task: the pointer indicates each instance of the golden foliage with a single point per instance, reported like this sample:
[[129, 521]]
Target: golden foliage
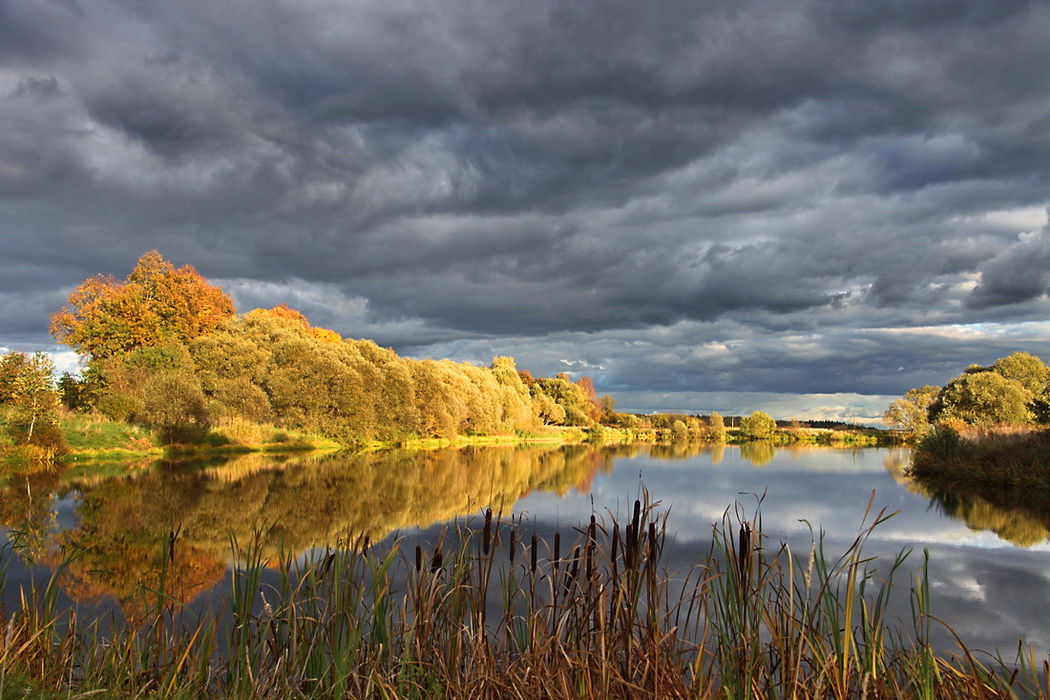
[[156, 304]]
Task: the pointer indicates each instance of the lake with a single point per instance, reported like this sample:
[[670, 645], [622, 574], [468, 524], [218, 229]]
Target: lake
[[989, 571]]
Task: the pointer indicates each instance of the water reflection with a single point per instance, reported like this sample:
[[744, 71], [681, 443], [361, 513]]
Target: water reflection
[[124, 525], [1021, 518], [119, 525]]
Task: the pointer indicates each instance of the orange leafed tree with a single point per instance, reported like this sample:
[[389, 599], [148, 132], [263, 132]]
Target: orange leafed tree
[[156, 304]]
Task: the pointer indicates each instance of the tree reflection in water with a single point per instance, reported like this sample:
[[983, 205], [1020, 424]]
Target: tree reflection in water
[[127, 525], [1021, 518]]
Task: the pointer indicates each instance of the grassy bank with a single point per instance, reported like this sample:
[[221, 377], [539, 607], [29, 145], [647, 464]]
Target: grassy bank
[[985, 459], [492, 611]]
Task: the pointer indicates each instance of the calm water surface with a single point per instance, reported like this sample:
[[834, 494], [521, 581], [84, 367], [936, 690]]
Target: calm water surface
[[990, 565]]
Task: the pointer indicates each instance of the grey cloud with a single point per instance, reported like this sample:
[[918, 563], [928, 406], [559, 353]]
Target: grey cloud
[[495, 175], [1017, 274]]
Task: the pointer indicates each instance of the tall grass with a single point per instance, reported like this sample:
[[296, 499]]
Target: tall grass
[[988, 458], [494, 611]]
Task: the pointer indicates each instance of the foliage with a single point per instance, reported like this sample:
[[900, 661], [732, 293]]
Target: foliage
[[716, 430], [983, 398], [1014, 390], [12, 365], [1026, 369], [911, 413], [156, 304], [29, 390], [758, 426], [174, 402], [987, 459], [571, 397], [166, 350]]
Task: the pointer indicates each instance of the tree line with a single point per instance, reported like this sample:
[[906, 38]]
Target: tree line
[[166, 348]]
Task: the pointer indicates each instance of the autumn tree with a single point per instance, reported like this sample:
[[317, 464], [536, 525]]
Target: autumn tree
[[911, 413], [716, 429], [566, 394], [594, 406], [758, 426], [156, 304], [12, 365], [34, 401]]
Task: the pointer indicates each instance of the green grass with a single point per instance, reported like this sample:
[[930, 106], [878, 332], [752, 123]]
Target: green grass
[[599, 616]]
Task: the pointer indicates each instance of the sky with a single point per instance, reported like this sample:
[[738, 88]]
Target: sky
[[802, 207]]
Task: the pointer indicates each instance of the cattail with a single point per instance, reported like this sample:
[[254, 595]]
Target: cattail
[[628, 549], [533, 548], [435, 562], [573, 571], [589, 552], [486, 539], [513, 545], [744, 554], [419, 558], [557, 550]]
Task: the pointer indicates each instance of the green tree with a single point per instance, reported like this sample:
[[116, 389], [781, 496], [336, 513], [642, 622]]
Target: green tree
[[758, 426], [35, 404], [1026, 369], [983, 398], [173, 401], [570, 396]]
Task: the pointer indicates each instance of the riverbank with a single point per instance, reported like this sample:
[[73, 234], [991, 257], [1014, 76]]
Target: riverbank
[[94, 438], [984, 458]]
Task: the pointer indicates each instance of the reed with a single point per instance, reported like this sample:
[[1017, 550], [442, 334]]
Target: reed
[[495, 611]]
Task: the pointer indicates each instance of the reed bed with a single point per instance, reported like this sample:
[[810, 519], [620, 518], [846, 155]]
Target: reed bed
[[491, 610], [984, 458]]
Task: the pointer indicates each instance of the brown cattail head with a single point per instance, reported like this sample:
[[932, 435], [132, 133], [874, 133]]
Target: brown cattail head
[[532, 548], [486, 539]]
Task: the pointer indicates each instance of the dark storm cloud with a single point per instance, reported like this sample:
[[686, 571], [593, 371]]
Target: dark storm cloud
[[1017, 274], [799, 183]]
